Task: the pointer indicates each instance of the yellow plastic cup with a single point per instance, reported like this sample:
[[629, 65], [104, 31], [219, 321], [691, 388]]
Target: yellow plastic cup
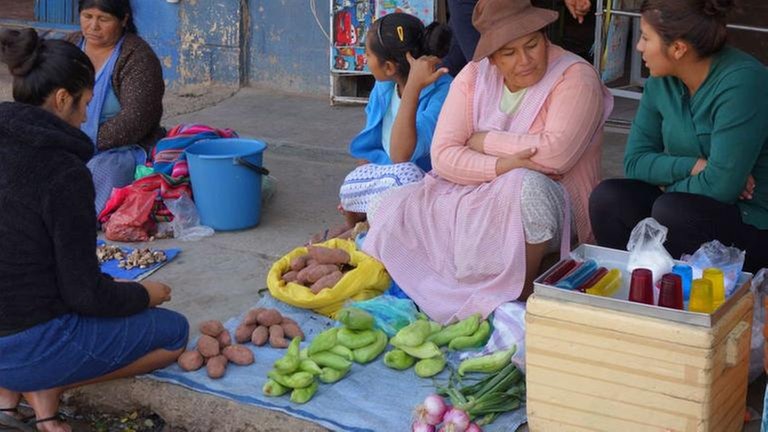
[[701, 296], [715, 275]]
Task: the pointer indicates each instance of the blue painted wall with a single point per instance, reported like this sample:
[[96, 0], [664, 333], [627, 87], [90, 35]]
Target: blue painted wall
[[197, 41], [200, 41], [158, 24], [287, 49]]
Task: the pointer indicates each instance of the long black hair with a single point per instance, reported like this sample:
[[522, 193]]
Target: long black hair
[[118, 8], [395, 34], [41, 66]]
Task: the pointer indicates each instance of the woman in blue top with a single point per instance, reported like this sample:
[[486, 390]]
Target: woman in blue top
[[124, 116], [402, 110]]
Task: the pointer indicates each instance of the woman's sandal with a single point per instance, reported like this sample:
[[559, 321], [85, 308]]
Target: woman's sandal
[[11, 422]]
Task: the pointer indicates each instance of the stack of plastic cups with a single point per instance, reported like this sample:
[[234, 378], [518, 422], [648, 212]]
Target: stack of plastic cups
[[715, 275], [641, 286], [671, 293], [686, 273], [701, 296]]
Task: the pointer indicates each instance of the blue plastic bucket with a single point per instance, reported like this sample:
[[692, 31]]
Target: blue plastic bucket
[[226, 181]]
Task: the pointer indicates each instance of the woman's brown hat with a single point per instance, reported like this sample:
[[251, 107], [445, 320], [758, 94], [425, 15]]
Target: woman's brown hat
[[502, 21]]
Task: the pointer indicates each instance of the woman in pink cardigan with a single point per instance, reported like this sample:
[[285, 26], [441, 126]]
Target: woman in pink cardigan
[[516, 153]]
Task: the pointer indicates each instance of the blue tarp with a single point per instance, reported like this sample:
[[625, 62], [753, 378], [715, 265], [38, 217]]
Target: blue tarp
[[371, 397]]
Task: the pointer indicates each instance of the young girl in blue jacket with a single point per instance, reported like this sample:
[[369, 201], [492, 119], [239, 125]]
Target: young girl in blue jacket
[[393, 148]]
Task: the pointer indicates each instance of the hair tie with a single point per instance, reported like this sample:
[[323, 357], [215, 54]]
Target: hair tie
[[400, 33]]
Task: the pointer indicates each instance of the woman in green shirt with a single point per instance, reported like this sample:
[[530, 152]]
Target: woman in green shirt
[[697, 155]]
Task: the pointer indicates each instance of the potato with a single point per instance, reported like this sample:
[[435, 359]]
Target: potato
[[315, 273], [260, 335], [191, 361], [208, 346], [243, 332], [217, 366], [238, 354], [299, 262], [250, 317], [269, 317], [211, 328], [324, 255], [277, 337], [328, 281], [291, 330], [224, 338], [291, 276]]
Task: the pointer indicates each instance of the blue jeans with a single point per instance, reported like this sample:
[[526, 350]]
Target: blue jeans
[[72, 348]]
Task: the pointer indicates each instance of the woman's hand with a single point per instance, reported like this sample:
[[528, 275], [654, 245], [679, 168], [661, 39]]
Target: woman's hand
[[523, 160], [423, 71], [700, 166], [749, 189], [159, 293], [476, 142], [578, 8]]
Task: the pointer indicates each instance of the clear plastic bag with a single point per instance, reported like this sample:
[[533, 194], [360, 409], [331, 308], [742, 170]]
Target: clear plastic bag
[[759, 289], [186, 222], [390, 313], [715, 254], [646, 248]]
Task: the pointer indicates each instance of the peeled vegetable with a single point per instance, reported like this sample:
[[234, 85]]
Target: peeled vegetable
[[488, 363], [355, 319], [398, 359], [430, 367], [304, 394]]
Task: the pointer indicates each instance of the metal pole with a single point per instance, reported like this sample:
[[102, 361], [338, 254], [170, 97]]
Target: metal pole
[[597, 56]]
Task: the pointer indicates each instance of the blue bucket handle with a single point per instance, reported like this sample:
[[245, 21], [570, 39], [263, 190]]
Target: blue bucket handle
[[242, 162]]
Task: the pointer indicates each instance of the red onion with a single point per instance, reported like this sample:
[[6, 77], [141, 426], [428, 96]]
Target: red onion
[[418, 426], [455, 420], [432, 410], [473, 427]]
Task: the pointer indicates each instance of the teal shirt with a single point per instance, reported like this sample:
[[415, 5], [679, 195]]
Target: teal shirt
[[725, 122]]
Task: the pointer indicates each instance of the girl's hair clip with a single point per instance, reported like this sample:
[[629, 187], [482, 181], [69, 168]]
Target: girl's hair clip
[[400, 34]]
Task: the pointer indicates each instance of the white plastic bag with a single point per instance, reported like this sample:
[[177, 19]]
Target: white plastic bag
[[186, 222], [646, 248]]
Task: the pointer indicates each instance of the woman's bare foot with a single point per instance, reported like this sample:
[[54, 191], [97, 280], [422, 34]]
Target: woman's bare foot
[[46, 405]]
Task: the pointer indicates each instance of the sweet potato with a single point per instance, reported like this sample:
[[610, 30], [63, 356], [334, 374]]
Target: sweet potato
[[243, 332], [299, 262], [291, 330], [208, 346], [217, 366], [260, 335], [291, 276], [224, 338], [326, 282], [277, 337], [250, 317], [311, 262], [315, 273], [238, 354], [269, 317], [324, 255], [211, 328], [191, 361]]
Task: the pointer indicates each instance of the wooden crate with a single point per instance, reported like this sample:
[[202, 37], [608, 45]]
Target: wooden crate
[[595, 369]]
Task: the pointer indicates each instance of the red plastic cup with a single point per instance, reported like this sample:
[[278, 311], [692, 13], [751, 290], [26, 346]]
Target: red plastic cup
[[641, 286], [671, 292]]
